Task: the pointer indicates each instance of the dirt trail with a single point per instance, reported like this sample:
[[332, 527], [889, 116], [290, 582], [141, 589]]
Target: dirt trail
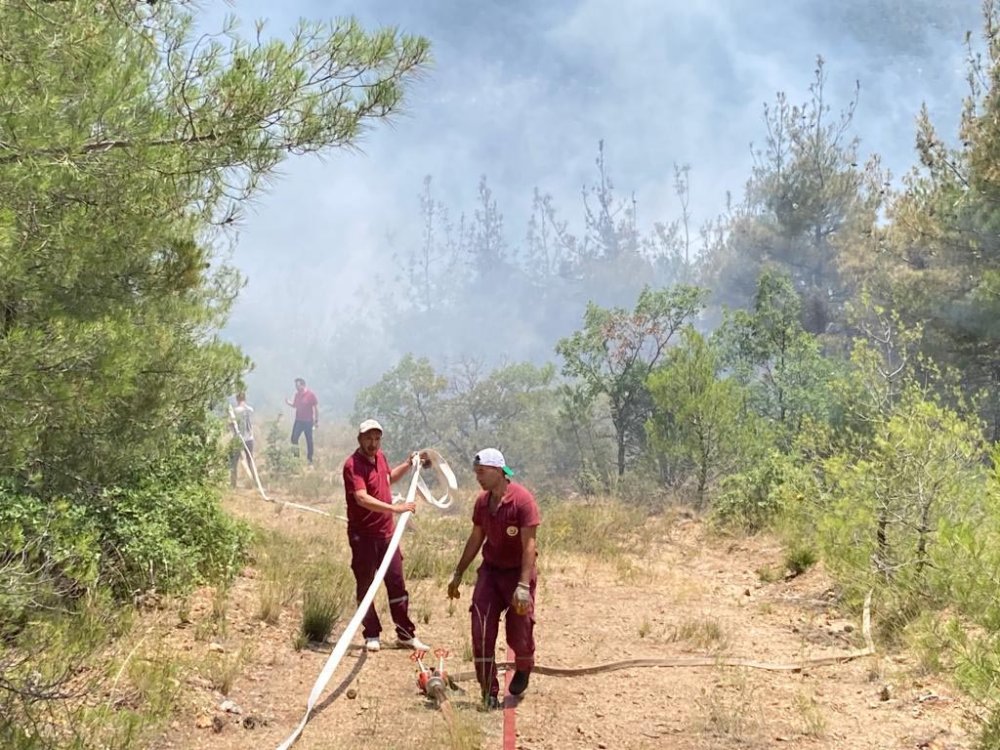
[[688, 594]]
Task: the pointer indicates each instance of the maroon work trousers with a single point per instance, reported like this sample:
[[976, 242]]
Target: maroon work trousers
[[490, 598], [366, 556]]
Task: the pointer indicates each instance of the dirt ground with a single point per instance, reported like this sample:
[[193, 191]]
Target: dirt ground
[[688, 593]]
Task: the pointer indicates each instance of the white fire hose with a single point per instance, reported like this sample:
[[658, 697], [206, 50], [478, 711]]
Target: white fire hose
[[444, 472], [252, 465]]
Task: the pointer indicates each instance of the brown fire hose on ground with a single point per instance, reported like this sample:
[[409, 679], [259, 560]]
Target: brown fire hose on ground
[[704, 661]]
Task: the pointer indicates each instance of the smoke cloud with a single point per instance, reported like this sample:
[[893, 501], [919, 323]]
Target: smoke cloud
[[522, 92]]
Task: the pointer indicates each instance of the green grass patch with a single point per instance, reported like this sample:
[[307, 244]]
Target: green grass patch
[[800, 558], [326, 596], [704, 633], [602, 530]]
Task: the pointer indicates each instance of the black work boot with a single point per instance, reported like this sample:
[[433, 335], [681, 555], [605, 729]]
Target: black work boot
[[490, 703], [519, 683]]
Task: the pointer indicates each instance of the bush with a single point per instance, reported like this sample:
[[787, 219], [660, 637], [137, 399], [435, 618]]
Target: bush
[[50, 550], [168, 539], [751, 500], [277, 450], [799, 559], [167, 531], [324, 600], [891, 506]]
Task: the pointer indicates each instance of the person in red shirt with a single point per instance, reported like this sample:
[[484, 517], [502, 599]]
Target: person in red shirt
[[368, 484], [306, 407], [504, 520]]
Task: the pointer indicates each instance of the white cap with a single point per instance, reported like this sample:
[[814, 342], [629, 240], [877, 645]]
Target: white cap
[[492, 457], [368, 425]]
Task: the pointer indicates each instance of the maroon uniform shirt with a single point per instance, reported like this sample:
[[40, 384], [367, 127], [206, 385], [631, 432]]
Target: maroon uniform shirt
[[304, 403], [373, 478], [517, 510]]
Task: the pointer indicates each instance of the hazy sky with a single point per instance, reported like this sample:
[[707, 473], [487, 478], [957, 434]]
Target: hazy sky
[[522, 91]]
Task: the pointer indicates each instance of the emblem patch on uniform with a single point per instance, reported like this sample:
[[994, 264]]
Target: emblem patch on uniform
[[512, 531]]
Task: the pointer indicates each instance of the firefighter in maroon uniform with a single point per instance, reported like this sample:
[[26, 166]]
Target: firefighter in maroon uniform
[[367, 483], [504, 521]]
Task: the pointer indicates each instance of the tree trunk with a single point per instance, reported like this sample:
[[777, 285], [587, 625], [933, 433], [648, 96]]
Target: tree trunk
[[621, 450], [924, 530], [882, 542]]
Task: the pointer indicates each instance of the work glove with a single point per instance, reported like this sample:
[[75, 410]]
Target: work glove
[[454, 586], [522, 599]]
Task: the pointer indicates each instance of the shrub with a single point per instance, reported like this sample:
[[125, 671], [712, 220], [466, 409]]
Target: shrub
[[751, 500], [50, 551], [324, 600], [166, 530], [277, 451], [799, 559]]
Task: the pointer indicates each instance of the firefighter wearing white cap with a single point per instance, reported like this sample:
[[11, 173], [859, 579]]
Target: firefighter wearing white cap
[[504, 520], [368, 484]]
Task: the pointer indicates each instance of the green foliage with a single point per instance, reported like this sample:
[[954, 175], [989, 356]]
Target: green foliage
[[968, 632], [894, 501], [921, 472], [151, 542], [513, 407], [882, 362], [277, 452], [55, 539], [324, 601], [752, 499], [944, 238], [588, 439], [49, 663], [128, 143], [698, 423], [508, 405], [640, 488], [779, 363], [808, 207], [800, 559], [615, 351], [135, 537], [989, 732], [125, 147]]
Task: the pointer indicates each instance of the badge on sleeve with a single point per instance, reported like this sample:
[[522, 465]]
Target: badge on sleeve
[[512, 531]]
